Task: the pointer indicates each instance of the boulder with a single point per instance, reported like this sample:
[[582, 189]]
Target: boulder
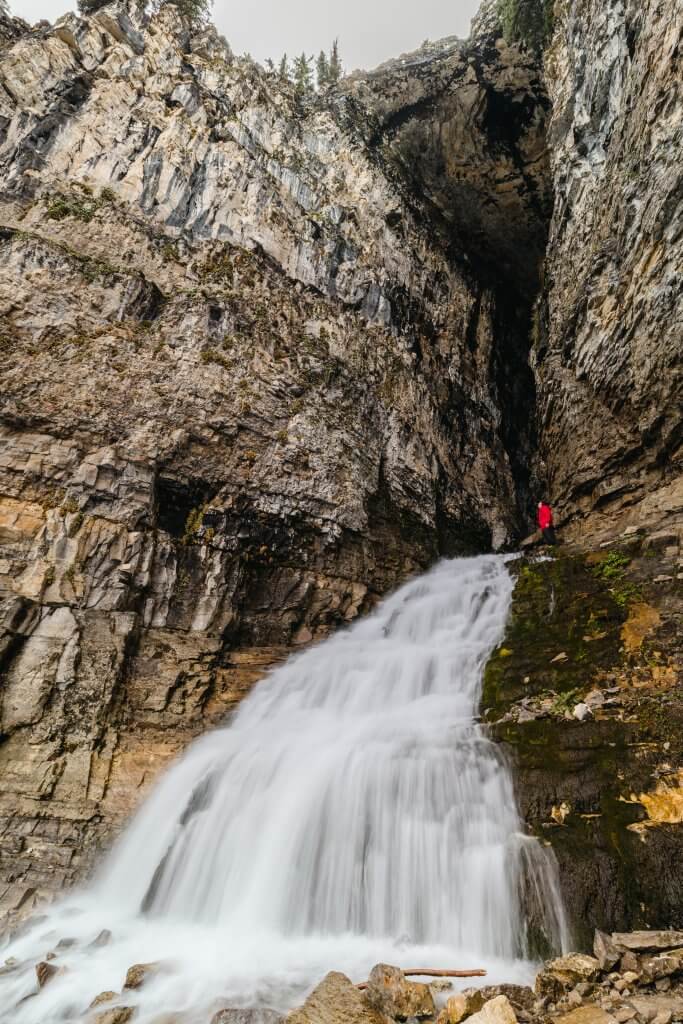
[[496, 1011], [588, 1014], [521, 997], [117, 1015], [139, 974], [230, 1016], [606, 951], [455, 1010], [45, 972], [563, 974], [648, 942], [652, 968], [392, 994], [336, 1000], [103, 997], [103, 939]]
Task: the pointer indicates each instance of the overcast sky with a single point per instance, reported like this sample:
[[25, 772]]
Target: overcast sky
[[369, 31]]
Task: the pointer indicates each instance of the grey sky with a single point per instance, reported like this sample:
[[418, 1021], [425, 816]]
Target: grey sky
[[369, 31]]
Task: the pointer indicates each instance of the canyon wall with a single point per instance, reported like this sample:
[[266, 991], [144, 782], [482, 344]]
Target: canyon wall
[[609, 333], [248, 385], [264, 357]]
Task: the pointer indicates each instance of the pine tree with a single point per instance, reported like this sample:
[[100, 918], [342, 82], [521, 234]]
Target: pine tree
[[283, 70], [197, 12], [303, 75], [336, 69], [270, 66], [322, 70]]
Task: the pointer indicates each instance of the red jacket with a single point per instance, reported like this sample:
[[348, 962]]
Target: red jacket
[[545, 517]]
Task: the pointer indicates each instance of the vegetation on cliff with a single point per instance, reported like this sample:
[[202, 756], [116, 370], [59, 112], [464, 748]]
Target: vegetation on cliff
[[529, 22]]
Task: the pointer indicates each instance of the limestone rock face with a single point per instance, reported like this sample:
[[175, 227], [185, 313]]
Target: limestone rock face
[[335, 1001], [246, 389], [609, 336]]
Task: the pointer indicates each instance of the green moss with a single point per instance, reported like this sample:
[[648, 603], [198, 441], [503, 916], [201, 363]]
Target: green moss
[[193, 524], [612, 570], [559, 607], [81, 207]]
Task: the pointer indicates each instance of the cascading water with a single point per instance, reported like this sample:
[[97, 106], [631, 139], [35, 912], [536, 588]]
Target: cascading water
[[353, 811]]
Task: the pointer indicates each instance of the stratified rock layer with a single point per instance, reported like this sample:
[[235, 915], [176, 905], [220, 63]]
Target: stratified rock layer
[[247, 388], [609, 346]]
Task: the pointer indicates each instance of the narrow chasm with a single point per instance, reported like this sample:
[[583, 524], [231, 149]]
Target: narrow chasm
[[472, 152]]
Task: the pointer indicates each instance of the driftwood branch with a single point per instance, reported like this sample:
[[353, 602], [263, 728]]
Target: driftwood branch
[[429, 972]]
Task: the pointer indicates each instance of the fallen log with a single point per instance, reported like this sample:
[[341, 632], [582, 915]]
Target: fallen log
[[432, 972]]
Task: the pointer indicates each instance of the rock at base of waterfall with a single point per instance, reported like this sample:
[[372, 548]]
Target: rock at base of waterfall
[[521, 997], [103, 997], [117, 1015], [392, 994], [139, 974], [645, 942], [233, 1016], [561, 975], [590, 1014], [472, 1000], [455, 1010], [103, 939], [606, 952], [336, 1000], [45, 972], [496, 1011]]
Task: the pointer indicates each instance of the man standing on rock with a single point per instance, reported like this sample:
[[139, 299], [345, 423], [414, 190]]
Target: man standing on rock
[[545, 522]]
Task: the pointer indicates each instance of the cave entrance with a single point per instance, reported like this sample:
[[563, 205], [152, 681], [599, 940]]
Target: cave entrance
[[178, 500]]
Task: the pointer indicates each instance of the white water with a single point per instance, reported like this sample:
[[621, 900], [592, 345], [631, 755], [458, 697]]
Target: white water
[[353, 811]]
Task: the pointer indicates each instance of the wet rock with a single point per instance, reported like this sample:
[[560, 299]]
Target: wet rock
[[441, 985], [45, 972], [139, 974], [103, 939], [103, 997], [605, 950], [495, 1011], [117, 1015], [335, 1001], [391, 993]]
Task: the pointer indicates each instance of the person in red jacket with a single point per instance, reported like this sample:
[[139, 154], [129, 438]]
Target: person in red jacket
[[545, 522]]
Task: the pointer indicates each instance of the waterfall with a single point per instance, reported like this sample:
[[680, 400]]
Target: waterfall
[[353, 810]]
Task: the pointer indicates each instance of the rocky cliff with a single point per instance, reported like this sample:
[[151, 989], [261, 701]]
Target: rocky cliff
[[608, 342], [264, 357], [249, 383]]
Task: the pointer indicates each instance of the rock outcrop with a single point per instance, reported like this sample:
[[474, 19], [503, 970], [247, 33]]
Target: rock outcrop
[[605, 788], [249, 384], [609, 350]]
